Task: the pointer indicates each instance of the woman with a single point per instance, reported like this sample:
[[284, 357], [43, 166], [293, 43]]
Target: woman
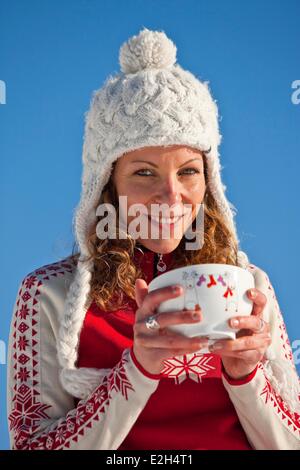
[[92, 365]]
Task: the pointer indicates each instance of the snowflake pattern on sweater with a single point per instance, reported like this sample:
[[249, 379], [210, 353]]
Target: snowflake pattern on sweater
[[194, 366], [28, 410]]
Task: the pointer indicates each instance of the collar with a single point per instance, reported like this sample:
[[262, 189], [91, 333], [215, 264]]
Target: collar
[[147, 260]]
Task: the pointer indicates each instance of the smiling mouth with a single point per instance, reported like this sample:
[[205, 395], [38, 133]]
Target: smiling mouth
[[164, 220]]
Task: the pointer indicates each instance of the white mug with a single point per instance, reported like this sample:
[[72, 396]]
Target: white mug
[[218, 289]]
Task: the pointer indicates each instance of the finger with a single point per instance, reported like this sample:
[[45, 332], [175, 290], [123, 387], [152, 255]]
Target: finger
[[174, 318], [242, 333], [181, 352], [141, 290], [174, 341], [250, 357], [154, 298], [259, 301], [249, 322], [245, 343]]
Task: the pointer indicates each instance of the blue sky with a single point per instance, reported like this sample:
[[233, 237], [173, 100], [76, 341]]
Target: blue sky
[[54, 53]]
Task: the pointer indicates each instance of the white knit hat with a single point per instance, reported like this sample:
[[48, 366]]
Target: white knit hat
[[152, 102]]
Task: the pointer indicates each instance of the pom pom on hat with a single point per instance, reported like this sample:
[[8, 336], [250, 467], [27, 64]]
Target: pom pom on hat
[[149, 49]]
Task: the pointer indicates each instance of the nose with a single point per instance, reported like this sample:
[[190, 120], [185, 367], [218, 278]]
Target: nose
[[169, 192]]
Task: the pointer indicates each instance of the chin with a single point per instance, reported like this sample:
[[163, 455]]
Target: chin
[[161, 246]]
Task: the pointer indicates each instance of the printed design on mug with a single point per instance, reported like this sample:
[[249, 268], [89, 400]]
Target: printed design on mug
[[192, 280], [230, 294], [191, 300]]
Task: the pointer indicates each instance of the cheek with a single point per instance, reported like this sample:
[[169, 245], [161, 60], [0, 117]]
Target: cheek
[[141, 185], [134, 194], [195, 190], [130, 188]]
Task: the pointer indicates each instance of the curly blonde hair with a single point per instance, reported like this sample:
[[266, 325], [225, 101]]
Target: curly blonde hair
[[114, 275]]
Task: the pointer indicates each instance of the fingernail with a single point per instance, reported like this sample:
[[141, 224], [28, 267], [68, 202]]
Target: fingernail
[[253, 293], [176, 288], [234, 323]]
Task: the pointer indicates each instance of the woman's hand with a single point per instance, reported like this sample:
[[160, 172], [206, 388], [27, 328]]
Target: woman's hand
[[152, 346], [241, 356]]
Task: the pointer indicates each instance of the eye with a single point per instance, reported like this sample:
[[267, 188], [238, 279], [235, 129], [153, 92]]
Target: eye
[[195, 170], [142, 172]]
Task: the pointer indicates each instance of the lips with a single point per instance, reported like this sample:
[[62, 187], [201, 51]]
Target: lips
[[171, 213], [164, 220]]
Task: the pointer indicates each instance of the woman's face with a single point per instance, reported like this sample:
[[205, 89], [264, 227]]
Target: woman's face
[[172, 176]]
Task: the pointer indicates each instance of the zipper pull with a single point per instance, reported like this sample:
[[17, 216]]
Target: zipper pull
[[161, 265]]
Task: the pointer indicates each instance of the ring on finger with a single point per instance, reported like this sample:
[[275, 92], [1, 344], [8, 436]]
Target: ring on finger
[[261, 326], [152, 323]]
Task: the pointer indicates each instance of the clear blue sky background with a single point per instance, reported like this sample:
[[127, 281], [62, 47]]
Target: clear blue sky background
[[54, 53]]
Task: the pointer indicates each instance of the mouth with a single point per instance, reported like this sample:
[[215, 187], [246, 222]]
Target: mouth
[[161, 221]]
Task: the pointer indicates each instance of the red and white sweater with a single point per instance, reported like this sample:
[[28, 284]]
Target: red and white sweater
[[192, 404]]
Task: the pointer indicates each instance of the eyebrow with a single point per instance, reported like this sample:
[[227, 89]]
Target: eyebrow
[[153, 164]]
